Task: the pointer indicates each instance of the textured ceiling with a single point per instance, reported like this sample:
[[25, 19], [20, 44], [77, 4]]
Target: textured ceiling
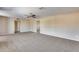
[[40, 12]]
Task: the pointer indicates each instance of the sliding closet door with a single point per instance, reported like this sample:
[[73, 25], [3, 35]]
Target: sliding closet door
[[3, 25]]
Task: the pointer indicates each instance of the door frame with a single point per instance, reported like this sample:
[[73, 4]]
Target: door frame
[[17, 26], [38, 26]]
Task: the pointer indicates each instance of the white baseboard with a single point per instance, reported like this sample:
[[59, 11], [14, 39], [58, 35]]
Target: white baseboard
[[75, 39]]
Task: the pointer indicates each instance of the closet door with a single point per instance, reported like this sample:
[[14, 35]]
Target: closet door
[[3, 25]]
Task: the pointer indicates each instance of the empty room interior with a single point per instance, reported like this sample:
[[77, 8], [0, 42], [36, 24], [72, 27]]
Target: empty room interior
[[39, 29]]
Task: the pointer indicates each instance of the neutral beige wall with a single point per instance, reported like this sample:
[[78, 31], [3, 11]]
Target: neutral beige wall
[[64, 20], [67, 20], [63, 25]]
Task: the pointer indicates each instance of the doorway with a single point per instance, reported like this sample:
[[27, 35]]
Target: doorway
[[38, 26], [17, 26]]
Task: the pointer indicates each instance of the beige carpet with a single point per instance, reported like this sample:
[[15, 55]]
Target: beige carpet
[[35, 42]]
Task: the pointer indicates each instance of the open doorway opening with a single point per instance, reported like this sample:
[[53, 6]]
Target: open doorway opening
[[17, 26], [38, 26]]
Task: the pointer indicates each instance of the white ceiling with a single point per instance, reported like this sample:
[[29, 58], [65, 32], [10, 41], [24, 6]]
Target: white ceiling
[[45, 11]]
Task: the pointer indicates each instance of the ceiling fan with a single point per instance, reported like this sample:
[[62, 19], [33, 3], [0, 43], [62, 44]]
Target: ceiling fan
[[31, 15], [41, 8], [34, 15]]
